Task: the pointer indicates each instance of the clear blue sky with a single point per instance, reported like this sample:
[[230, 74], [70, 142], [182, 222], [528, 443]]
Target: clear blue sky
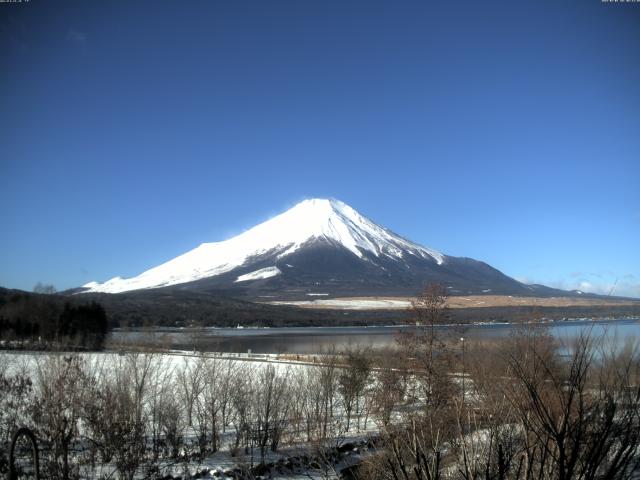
[[132, 131]]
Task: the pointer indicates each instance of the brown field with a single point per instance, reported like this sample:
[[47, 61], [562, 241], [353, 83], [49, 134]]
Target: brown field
[[508, 301]]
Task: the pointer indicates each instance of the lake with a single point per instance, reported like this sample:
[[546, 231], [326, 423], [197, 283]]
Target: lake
[[306, 340]]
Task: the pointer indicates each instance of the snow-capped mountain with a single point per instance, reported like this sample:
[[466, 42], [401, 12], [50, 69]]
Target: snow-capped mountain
[[318, 245]]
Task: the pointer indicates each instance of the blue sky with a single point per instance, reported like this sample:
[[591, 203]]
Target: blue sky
[[130, 132]]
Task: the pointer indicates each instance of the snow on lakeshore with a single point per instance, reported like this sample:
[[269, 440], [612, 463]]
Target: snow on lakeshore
[[27, 361]]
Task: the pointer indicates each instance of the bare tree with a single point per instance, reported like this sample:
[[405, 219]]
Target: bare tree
[[171, 423], [388, 389], [270, 408], [190, 379], [213, 397], [352, 381], [56, 411], [582, 416], [424, 351], [44, 288], [16, 390], [241, 393], [225, 378], [166, 421], [119, 437]]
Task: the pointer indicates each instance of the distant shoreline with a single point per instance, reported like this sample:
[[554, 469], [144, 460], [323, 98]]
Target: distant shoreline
[[308, 340], [248, 330]]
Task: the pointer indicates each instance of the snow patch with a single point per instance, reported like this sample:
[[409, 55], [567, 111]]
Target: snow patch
[[259, 274], [349, 304]]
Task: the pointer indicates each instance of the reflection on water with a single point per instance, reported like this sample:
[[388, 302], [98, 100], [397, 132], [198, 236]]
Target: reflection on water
[[320, 339]]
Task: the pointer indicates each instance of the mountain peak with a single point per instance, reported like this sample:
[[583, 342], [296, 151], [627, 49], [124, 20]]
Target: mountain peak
[[320, 206], [310, 221]]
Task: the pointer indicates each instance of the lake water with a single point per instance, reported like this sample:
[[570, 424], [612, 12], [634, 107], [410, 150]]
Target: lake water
[[319, 339]]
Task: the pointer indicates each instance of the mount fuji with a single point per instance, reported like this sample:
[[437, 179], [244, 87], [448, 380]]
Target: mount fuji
[[320, 247]]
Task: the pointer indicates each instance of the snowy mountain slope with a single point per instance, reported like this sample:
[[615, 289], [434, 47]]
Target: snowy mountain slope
[[318, 247], [309, 221]]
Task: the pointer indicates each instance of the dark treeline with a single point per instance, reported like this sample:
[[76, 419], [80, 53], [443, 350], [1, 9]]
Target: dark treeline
[[50, 321], [184, 308]]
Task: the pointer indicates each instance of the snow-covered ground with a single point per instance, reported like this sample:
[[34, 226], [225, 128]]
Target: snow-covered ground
[[295, 459]]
